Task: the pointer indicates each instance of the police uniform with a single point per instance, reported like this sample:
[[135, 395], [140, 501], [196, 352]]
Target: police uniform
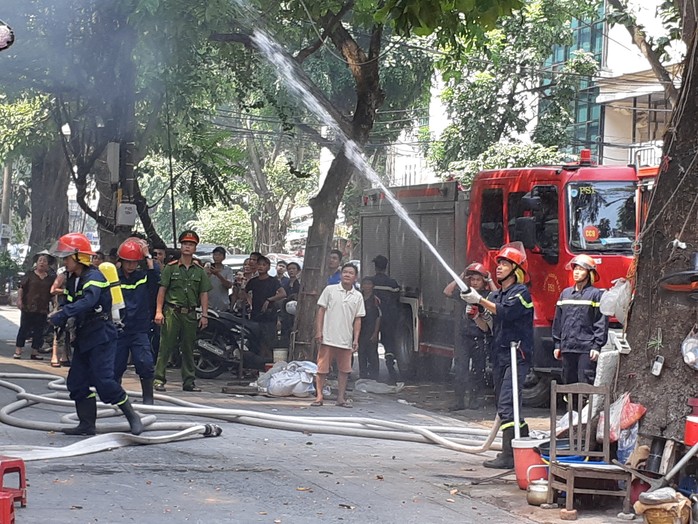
[[513, 322], [88, 300], [578, 328], [183, 285], [139, 289]]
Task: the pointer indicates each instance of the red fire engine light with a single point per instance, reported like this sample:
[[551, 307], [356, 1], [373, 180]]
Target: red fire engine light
[[585, 157]]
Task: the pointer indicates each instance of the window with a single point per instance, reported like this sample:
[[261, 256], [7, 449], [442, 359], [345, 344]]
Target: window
[[515, 210], [492, 218], [547, 222]]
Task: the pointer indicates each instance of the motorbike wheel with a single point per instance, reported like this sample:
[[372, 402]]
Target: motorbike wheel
[[205, 367]]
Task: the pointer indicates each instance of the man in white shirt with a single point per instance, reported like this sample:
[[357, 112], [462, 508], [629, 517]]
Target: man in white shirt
[[337, 327]]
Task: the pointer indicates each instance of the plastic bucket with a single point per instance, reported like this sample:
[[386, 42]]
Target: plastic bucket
[[525, 457], [690, 432], [280, 355]]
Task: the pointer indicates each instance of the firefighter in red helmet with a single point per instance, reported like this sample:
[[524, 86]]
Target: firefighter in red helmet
[[473, 343], [580, 330], [140, 289], [512, 321], [89, 303]]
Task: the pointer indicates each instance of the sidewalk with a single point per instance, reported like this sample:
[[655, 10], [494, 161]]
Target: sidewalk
[[432, 481]]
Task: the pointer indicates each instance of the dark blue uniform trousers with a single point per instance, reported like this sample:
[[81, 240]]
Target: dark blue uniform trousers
[[138, 345], [95, 367], [503, 390]]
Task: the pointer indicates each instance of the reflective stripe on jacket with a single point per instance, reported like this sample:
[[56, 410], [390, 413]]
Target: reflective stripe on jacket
[[579, 326]]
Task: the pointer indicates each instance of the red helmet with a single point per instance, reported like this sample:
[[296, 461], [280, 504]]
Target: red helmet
[[477, 269], [74, 244], [131, 249], [515, 253], [585, 262]]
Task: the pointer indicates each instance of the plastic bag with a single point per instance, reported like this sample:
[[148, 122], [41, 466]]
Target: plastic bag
[[626, 442], [689, 348], [295, 380], [615, 415], [616, 301]]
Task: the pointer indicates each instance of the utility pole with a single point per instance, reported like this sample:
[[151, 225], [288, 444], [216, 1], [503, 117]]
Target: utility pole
[[5, 229]]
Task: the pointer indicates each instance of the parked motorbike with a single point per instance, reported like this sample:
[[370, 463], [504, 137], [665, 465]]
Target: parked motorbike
[[226, 339]]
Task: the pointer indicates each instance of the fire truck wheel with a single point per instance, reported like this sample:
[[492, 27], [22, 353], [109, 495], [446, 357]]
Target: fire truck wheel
[[536, 391]]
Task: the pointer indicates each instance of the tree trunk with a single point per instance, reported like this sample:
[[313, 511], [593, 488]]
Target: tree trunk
[[49, 198], [320, 236], [672, 215]]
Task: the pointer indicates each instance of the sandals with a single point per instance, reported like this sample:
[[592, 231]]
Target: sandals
[[55, 364], [346, 404], [317, 404], [35, 357], [17, 356]]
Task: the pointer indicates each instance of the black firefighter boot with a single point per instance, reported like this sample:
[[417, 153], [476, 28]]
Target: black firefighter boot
[[459, 403], [505, 460], [133, 419], [392, 372], [147, 388], [87, 415]]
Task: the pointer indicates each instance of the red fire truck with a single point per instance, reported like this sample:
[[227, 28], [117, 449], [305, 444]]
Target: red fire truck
[[556, 211]]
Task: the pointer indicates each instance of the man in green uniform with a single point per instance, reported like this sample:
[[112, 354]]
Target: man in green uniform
[[184, 286]]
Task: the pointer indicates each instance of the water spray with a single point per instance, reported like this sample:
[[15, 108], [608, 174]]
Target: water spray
[[286, 68]]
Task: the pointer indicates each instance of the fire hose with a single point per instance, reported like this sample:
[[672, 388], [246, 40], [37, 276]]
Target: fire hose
[[467, 440]]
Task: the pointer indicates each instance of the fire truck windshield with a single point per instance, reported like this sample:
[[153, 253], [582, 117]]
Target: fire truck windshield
[[601, 216]]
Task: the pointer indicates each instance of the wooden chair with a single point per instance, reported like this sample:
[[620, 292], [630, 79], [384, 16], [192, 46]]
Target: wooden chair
[[596, 464]]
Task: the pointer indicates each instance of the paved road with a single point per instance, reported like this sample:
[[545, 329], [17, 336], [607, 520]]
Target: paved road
[[249, 474]]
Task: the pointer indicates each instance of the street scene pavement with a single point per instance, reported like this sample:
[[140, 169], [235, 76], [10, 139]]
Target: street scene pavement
[[257, 474]]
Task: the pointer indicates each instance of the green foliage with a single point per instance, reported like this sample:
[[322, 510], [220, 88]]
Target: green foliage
[[8, 268], [490, 94], [225, 227], [501, 155], [449, 18], [23, 124]]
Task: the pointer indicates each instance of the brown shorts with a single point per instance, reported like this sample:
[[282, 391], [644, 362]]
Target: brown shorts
[[325, 356]]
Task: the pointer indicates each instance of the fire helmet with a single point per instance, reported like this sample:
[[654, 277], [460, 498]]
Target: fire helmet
[[189, 236], [477, 269], [131, 249], [585, 262], [515, 253], [74, 244]]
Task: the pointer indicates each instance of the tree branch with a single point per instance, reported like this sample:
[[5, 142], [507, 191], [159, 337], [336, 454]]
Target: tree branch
[[638, 37], [328, 22]]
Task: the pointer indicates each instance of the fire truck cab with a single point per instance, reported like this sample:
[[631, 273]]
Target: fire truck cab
[[557, 212]]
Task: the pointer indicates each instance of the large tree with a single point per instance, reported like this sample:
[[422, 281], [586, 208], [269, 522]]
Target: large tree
[[660, 319]]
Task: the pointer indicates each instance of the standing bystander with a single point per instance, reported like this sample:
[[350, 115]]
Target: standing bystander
[[337, 328], [33, 299], [221, 281], [334, 260], [266, 294]]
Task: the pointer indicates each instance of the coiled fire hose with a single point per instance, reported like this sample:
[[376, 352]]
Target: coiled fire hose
[[467, 440]]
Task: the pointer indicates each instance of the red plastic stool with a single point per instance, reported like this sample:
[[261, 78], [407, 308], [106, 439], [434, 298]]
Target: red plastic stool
[[7, 508], [14, 465]]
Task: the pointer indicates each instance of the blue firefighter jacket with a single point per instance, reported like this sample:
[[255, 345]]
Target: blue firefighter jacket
[[513, 321], [140, 290], [579, 326], [88, 300]]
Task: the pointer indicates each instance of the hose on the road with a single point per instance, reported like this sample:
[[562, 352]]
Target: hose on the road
[[346, 426]]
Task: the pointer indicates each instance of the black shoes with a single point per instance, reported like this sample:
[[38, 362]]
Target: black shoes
[[192, 388], [87, 415]]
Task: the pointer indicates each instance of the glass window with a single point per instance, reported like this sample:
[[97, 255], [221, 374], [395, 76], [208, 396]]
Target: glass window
[[492, 218], [601, 216], [514, 210], [547, 223]]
